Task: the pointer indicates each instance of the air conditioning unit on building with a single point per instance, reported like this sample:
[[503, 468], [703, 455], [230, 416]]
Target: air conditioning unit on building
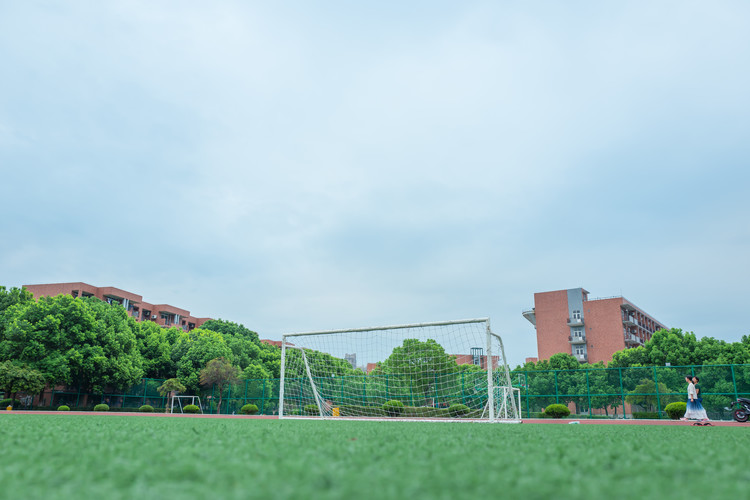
[[153, 316]]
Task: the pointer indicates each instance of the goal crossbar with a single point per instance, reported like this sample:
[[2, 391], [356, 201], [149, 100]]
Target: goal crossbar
[[392, 327]]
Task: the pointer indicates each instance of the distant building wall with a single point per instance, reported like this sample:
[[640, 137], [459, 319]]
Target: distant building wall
[[591, 330], [163, 314]]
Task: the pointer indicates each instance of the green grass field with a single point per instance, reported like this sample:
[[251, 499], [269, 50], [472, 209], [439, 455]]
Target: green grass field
[[113, 457]]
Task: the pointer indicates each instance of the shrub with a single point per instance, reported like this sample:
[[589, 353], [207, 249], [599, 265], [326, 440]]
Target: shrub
[[393, 408], [63, 408], [645, 414], [4, 403], [361, 411], [557, 411], [424, 412], [458, 410], [249, 409], [676, 410], [146, 409], [101, 407], [191, 409], [312, 410]]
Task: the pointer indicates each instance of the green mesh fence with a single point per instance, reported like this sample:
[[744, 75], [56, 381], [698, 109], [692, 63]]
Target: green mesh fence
[[590, 393]]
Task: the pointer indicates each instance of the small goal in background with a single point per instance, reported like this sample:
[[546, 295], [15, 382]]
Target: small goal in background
[[441, 371]]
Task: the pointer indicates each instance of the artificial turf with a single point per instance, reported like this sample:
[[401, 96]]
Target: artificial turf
[[118, 457]]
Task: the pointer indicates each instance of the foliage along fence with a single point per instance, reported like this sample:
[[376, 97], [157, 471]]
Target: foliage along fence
[[608, 392]]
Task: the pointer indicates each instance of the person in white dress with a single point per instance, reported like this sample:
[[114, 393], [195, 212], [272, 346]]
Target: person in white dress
[[693, 410]]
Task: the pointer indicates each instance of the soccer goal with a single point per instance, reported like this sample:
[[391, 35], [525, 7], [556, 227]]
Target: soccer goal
[[442, 371], [180, 402]]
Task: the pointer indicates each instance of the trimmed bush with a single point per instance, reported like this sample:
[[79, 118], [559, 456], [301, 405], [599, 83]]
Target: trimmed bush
[[393, 408], [63, 408], [101, 407], [146, 409], [424, 412], [556, 411], [676, 410], [191, 409], [311, 410], [361, 411], [249, 409], [646, 414], [458, 410], [4, 403]]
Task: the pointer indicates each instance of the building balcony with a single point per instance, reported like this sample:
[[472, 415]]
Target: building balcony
[[575, 321], [630, 321], [582, 358], [577, 340], [530, 315], [632, 340]]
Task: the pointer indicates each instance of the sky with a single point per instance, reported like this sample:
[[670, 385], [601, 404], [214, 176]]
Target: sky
[[298, 166]]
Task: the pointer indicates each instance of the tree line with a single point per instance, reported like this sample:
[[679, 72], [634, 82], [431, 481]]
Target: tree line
[[646, 374], [95, 346]]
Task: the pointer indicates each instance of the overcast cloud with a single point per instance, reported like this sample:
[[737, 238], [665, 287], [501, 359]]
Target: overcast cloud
[[298, 166]]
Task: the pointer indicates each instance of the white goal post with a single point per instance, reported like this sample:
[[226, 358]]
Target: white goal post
[[440, 371], [182, 401]]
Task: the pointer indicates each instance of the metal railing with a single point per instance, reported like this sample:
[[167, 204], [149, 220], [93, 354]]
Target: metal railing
[[589, 392]]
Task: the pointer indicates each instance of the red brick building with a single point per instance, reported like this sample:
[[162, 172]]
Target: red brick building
[[162, 314], [591, 330]]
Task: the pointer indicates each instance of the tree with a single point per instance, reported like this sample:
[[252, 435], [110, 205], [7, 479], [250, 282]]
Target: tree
[[16, 378], [13, 296], [246, 346], [192, 352], [644, 395], [636, 356], [170, 388], [604, 387], [74, 341], [219, 372], [155, 344], [420, 363], [671, 346]]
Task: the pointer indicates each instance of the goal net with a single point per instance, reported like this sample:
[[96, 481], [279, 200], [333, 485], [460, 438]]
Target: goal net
[[451, 370]]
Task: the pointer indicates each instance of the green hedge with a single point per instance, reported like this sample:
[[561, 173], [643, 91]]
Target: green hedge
[[63, 408], [556, 411], [146, 409], [361, 411], [311, 410], [393, 408], [249, 409], [191, 409], [676, 410], [458, 410], [101, 407], [4, 403], [645, 415]]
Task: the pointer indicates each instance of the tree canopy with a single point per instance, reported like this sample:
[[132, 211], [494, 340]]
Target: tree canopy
[[73, 341], [219, 372], [95, 346]]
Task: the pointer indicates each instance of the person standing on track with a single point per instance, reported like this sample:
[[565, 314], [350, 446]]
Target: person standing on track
[[693, 410], [699, 400]]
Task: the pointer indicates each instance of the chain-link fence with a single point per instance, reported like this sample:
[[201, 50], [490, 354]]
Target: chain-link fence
[[637, 392]]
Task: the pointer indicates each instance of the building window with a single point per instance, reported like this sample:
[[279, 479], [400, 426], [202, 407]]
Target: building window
[[576, 314], [578, 332], [580, 350]]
